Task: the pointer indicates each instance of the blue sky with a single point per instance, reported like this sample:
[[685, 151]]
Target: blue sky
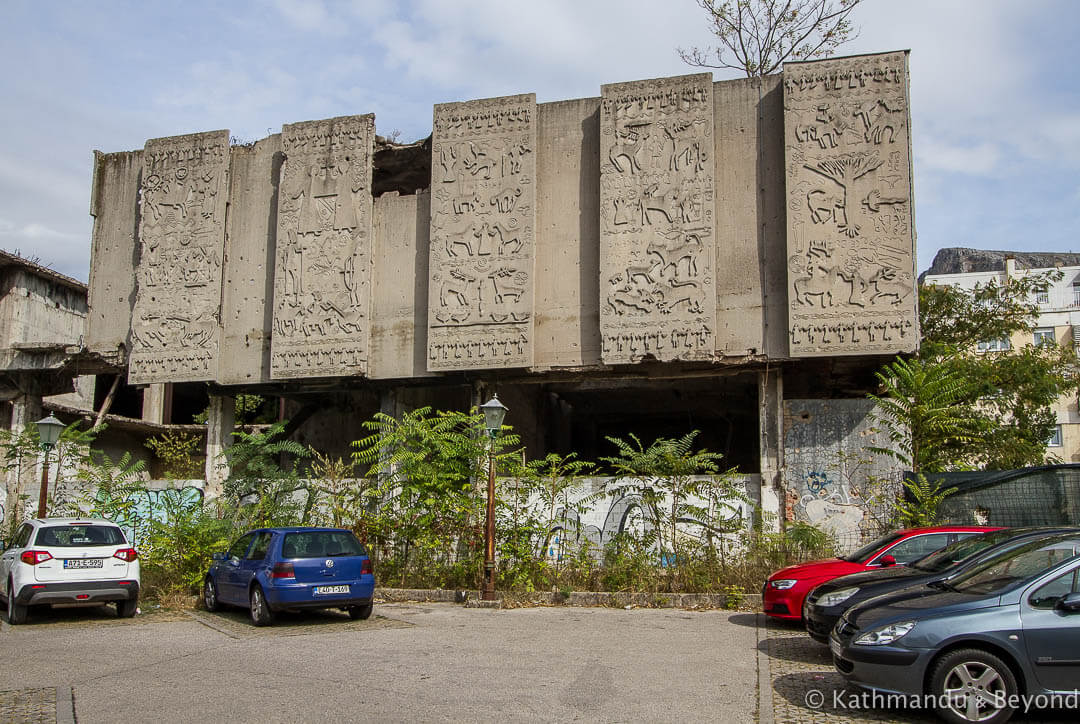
[[995, 94]]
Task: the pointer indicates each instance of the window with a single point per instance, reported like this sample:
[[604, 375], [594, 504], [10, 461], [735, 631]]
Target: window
[[1055, 439], [1042, 298], [73, 536], [994, 345], [262, 545], [912, 549], [1076, 293], [1050, 593], [1044, 335], [320, 544], [239, 548]]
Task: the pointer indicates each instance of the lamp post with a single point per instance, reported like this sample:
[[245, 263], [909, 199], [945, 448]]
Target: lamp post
[[49, 430], [494, 412]]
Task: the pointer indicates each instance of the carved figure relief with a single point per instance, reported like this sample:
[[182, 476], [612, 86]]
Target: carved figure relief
[[175, 327], [482, 220], [322, 276], [851, 280], [657, 221]]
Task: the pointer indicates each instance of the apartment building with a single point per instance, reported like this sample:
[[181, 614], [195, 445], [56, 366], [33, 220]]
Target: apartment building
[[1058, 323]]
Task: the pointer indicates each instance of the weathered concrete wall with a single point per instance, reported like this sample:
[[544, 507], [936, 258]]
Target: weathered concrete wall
[[249, 262], [399, 289], [832, 481], [750, 224], [702, 210], [567, 285], [114, 251], [37, 311]]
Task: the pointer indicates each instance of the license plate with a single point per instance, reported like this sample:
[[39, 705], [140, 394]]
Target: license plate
[[836, 648], [83, 562], [323, 590]]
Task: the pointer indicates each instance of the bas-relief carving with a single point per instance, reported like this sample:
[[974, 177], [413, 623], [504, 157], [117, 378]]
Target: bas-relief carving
[[483, 215], [851, 283], [322, 278], [657, 227], [176, 328]]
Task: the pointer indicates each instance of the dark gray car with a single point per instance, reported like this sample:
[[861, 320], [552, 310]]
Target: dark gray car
[[1007, 627], [825, 604]]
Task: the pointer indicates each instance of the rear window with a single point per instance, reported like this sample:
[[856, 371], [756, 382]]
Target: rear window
[[321, 544], [75, 536]]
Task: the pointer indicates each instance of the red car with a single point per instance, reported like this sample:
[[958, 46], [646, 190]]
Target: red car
[[783, 594]]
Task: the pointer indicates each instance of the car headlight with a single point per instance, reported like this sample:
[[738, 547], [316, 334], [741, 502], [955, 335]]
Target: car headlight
[[782, 584], [886, 634], [837, 597]]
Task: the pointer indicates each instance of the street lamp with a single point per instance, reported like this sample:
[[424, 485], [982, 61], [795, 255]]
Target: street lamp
[[49, 431], [494, 412]]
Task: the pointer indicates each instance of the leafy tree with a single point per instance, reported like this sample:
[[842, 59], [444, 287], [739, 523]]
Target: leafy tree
[[927, 413], [111, 489], [758, 36], [664, 478], [179, 455], [429, 464], [921, 509], [256, 474]]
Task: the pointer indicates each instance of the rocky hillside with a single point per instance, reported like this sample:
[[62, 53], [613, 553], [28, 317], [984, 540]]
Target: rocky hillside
[[957, 260]]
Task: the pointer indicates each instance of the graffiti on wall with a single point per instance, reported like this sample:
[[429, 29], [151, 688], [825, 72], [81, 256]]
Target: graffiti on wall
[[829, 502]]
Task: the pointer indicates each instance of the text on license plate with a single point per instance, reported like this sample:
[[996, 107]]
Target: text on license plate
[[323, 590], [836, 648], [83, 562]]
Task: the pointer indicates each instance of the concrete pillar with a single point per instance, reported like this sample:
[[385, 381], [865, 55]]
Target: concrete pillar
[[771, 445], [219, 428], [155, 401]]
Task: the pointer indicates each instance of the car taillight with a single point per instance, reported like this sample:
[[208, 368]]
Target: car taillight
[[283, 570], [126, 554], [365, 567], [35, 557]]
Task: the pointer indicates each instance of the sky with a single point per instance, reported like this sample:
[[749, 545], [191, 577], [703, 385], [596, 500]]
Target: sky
[[995, 96]]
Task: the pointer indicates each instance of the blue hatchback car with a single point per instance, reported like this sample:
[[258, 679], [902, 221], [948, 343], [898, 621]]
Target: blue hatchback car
[[271, 569]]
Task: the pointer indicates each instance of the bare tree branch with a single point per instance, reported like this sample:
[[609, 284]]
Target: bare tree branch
[[758, 36]]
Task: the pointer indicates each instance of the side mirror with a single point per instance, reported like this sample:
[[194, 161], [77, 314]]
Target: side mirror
[[1069, 603], [218, 556], [887, 561]]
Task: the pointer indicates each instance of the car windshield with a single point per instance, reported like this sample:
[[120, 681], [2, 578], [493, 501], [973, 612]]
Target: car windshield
[[78, 535], [1016, 565], [870, 548], [321, 544], [961, 550]]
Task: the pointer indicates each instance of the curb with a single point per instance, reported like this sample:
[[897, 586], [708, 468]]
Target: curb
[[574, 598], [65, 705], [765, 704]]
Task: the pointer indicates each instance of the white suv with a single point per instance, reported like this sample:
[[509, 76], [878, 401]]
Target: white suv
[[69, 561]]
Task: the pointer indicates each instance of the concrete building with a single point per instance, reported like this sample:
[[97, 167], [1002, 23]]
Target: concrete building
[[1058, 322], [675, 254]]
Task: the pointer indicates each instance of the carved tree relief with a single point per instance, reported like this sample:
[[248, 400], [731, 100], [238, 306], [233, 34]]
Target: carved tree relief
[[175, 325], [483, 216], [657, 231], [322, 277], [851, 280]]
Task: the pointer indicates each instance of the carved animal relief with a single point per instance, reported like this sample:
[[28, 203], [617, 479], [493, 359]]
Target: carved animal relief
[[851, 282], [657, 220], [322, 277], [175, 327], [483, 215]]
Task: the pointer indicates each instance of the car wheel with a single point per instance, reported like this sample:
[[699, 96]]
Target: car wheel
[[210, 597], [127, 609], [16, 614], [361, 613], [261, 615], [972, 685]]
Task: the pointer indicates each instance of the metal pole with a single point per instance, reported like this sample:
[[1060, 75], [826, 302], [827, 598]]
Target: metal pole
[[43, 496], [488, 594]]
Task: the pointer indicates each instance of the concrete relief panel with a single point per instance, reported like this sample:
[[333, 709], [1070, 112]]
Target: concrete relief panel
[[176, 326], [322, 275], [483, 216], [851, 274], [657, 220]]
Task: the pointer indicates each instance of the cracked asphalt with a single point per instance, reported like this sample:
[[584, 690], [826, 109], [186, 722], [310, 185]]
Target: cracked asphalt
[[409, 662]]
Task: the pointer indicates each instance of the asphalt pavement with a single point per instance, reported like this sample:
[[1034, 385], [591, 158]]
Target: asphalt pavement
[[409, 662]]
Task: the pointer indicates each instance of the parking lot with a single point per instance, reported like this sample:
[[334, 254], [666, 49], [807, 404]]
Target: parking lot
[[409, 662], [427, 661]]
